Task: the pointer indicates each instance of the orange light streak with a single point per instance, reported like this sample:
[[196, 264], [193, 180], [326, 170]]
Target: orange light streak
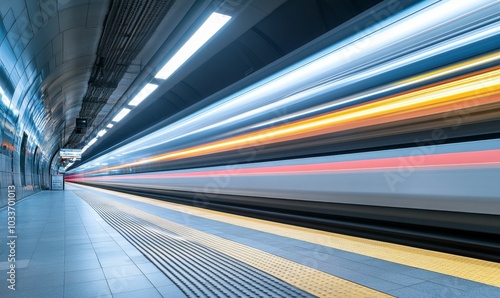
[[472, 90]]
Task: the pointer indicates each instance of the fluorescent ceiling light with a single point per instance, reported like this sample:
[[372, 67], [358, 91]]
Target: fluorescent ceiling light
[[92, 142], [148, 89], [213, 24], [120, 115], [109, 125], [102, 132], [89, 144]]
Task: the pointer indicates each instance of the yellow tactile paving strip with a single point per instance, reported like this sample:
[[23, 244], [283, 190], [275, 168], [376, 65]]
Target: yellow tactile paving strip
[[308, 279], [467, 268]]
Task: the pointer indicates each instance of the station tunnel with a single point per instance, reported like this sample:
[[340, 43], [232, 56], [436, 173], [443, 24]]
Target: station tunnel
[[250, 148]]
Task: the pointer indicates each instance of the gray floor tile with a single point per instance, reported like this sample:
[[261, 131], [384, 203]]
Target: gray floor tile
[[49, 253], [109, 251], [43, 269], [159, 279], [81, 265], [56, 246], [79, 247], [139, 259], [455, 282], [409, 292], [75, 237], [47, 259], [121, 271], [171, 292], [391, 276], [79, 257], [51, 239], [87, 289], [39, 280], [378, 284], [129, 283], [106, 238], [430, 287], [75, 231], [483, 292], [73, 277], [149, 293], [47, 292], [148, 268], [112, 261], [105, 244]]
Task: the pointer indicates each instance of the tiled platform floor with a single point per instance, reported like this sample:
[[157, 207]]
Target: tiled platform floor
[[382, 275], [64, 249]]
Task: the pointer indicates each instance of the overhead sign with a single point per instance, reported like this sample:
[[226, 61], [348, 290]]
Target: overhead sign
[[70, 153], [57, 182], [81, 122]]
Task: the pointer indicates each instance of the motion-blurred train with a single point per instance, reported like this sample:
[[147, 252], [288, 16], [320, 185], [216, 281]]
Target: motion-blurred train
[[399, 123]]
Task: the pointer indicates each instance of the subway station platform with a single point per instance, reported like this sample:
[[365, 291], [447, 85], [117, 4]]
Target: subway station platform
[[88, 242]]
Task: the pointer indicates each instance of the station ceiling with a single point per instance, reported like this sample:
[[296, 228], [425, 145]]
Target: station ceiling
[[71, 59]]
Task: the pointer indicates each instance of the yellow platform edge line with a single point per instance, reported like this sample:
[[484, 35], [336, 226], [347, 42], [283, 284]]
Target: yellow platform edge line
[[477, 270], [313, 281]]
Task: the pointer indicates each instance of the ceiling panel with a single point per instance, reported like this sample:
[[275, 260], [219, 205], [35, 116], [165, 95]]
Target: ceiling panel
[[73, 17], [79, 42], [95, 14]]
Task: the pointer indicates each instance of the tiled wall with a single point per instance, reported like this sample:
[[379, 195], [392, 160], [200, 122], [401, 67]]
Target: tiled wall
[[10, 170], [28, 47]]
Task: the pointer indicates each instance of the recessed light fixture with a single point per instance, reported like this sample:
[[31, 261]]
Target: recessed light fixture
[[101, 133], [145, 92], [92, 142], [121, 114], [211, 26]]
